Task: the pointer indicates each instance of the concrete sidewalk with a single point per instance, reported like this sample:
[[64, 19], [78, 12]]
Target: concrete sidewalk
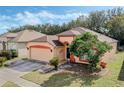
[[2, 81], [14, 76]]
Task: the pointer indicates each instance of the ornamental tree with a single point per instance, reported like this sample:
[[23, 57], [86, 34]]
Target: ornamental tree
[[89, 44]]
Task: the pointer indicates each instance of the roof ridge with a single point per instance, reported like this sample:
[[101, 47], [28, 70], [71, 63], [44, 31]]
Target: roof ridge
[[38, 38], [98, 33], [20, 35], [83, 28], [3, 34]]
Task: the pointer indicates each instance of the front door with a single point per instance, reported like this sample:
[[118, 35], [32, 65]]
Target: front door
[[68, 53]]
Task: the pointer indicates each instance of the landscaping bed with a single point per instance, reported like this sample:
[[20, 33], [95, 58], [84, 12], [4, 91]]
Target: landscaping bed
[[66, 78], [81, 69], [6, 55]]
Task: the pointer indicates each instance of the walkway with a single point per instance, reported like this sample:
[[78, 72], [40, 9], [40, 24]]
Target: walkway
[[14, 76]]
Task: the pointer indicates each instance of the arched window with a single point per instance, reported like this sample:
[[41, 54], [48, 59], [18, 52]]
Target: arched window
[[66, 43]]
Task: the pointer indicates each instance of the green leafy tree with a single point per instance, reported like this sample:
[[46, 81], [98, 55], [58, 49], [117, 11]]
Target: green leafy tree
[[89, 44], [116, 28], [114, 12], [96, 21]]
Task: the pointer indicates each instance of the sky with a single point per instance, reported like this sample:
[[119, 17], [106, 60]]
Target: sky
[[15, 16]]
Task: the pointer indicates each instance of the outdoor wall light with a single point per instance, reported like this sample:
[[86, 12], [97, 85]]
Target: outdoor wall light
[[27, 48], [51, 50]]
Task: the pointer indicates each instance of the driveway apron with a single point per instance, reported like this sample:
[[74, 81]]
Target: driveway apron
[[14, 76]]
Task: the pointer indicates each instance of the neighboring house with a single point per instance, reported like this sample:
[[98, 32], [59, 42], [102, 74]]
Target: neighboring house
[[4, 38], [37, 46], [21, 40]]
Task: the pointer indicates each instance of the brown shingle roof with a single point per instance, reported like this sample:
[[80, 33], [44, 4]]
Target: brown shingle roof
[[80, 30], [41, 39], [27, 35], [69, 33], [101, 37], [11, 35], [52, 39], [3, 37]]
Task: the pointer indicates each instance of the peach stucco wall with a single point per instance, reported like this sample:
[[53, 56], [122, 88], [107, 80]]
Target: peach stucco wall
[[42, 54], [60, 52], [68, 39], [45, 54], [111, 53]]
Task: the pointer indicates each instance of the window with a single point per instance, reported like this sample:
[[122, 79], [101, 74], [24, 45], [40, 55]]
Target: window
[[84, 57], [93, 52]]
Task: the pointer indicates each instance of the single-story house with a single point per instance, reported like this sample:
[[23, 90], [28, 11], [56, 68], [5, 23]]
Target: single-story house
[[38, 46], [4, 38], [21, 40], [68, 36]]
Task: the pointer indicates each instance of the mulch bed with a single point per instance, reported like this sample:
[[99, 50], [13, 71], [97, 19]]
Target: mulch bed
[[82, 69]]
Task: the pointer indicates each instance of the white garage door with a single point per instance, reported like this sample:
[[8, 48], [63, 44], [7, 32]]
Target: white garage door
[[41, 54]]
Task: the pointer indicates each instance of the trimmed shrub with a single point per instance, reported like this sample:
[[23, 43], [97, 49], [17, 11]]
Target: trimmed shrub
[[14, 53], [0, 53], [6, 54], [2, 60], [24, 58], [54, 62]]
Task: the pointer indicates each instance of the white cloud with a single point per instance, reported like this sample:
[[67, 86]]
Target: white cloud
[[59, 16], [45, 17], [32, 18], [27, 18], [3, 17]]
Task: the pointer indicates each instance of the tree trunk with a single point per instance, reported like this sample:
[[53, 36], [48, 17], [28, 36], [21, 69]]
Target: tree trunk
[[1, 63], [56, 67], [4, 45]]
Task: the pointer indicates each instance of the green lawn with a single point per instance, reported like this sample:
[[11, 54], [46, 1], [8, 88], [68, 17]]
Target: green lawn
[[10, 84], [115, 77]]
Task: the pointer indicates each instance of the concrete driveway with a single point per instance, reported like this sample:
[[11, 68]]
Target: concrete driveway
[[19, 68], [26, 65]]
